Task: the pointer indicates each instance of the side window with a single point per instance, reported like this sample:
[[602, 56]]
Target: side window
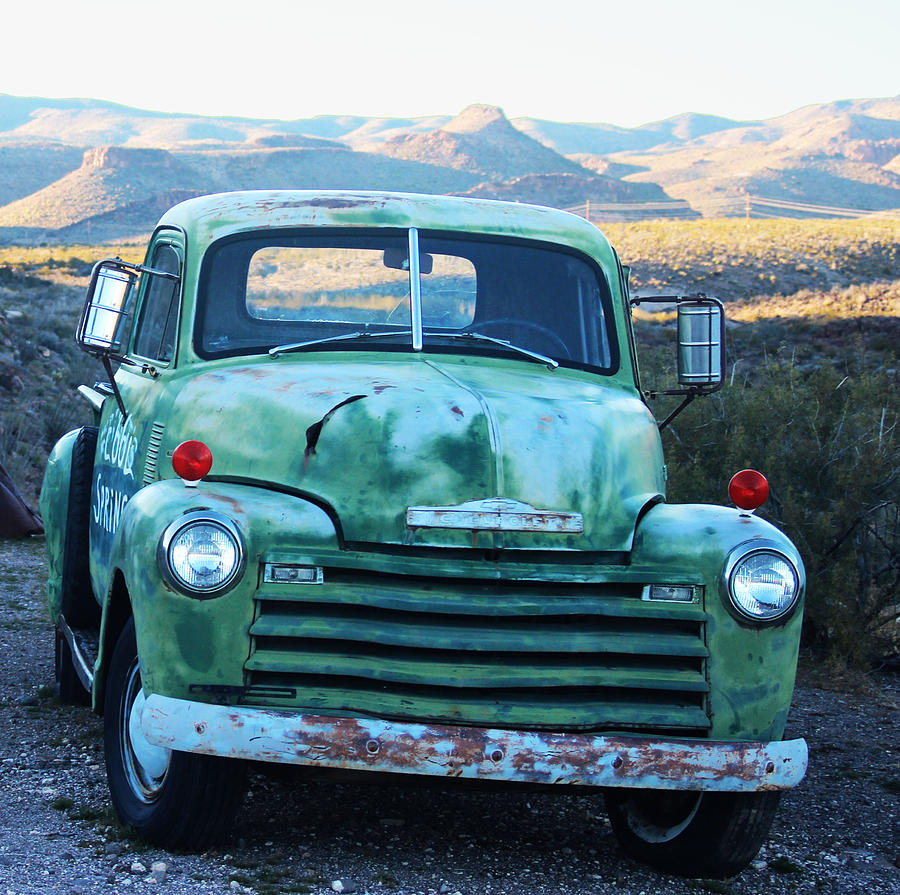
[[158, 315]]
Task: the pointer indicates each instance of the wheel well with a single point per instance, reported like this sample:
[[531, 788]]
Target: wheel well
[[115, 617]]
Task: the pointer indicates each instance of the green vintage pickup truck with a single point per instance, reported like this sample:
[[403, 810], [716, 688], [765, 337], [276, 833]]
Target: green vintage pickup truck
[[375, 487]]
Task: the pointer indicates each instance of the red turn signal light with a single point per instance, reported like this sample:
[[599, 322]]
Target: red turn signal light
[[191, 460], [748, 489]]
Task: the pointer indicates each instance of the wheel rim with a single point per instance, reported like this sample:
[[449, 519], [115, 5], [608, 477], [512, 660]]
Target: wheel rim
[[660, 816], [145, 764]]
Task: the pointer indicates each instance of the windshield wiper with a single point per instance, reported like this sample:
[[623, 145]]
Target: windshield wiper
[[469, 336], [297, 346], [480, 337]]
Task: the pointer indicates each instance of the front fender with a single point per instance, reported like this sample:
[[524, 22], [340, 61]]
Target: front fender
[[54, 502], [183, 639], [751, 667]]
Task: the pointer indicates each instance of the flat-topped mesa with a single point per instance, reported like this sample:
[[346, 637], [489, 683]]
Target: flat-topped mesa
[[120, 157]]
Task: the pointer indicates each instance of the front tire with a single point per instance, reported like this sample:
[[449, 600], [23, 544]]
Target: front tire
[[174, 799], [697, 834]]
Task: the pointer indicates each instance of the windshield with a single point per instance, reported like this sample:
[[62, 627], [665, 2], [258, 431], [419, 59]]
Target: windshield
[[355, 291]]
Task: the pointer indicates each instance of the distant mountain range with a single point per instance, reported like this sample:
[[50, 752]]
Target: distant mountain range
[[90, 171]]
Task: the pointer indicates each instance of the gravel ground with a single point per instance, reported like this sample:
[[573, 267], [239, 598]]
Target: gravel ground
[[836, 833]]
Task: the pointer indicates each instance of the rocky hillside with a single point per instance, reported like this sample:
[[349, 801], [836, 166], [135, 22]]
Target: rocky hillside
[[83, 170], [481, 140], [584, 192], [26, 169], [119, 193], [108, 179], [841, 155]]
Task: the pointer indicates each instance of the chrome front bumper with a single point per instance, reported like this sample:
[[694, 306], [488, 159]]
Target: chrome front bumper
[[471, 752]]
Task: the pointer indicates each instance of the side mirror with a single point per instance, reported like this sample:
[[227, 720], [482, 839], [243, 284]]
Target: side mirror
[[701, 348], [101, 328]]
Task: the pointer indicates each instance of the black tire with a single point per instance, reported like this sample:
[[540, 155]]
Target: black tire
[[709, 835], [174, 799], [78, 604], [69, 686]]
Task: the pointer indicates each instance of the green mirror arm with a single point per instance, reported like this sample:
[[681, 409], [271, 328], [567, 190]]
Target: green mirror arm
[[688, 398]]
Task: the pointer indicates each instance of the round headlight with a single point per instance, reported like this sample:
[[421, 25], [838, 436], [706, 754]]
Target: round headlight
[[763, 585], [201, 554]]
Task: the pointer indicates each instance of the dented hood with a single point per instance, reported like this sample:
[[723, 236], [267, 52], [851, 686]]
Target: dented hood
[[433, 450]]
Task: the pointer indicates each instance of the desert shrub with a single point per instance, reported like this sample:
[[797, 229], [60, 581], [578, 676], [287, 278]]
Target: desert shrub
[[827, 441], [40, 366]]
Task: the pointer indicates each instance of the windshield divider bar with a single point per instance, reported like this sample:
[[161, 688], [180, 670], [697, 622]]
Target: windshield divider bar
[[415, 289]]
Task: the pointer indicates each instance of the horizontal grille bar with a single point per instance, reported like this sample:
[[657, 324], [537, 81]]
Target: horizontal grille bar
[[494, 597], [553, 709], [481, 670], [572, 634]]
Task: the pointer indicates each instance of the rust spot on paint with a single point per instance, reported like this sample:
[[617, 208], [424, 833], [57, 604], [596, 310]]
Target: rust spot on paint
[[237, 508], [457, 411], [378, 389], [331, 203], [242, 373]]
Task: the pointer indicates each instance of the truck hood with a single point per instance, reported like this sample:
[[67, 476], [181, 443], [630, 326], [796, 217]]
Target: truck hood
[[435, 451]]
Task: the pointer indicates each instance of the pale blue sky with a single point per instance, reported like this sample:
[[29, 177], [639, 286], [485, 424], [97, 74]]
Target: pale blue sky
[[624, 63]]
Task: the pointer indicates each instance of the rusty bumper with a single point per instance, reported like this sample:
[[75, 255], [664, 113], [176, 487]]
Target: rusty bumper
[[474, 753]]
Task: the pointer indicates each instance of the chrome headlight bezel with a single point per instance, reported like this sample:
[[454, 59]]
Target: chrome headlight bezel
[[170, 540], [736, 559]]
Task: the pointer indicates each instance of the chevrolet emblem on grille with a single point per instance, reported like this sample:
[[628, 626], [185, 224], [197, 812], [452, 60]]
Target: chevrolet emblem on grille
[[495, 514]]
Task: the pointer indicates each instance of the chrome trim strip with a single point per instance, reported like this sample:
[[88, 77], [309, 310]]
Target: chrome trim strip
[[495, 514]]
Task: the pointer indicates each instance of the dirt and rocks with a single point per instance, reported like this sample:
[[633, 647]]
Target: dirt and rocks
[[836, 833]]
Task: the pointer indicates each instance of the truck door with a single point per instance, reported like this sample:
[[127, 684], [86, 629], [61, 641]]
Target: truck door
[[125, 459]]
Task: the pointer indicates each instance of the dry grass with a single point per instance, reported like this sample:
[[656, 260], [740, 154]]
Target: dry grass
[[742, 260], [70, 265]]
